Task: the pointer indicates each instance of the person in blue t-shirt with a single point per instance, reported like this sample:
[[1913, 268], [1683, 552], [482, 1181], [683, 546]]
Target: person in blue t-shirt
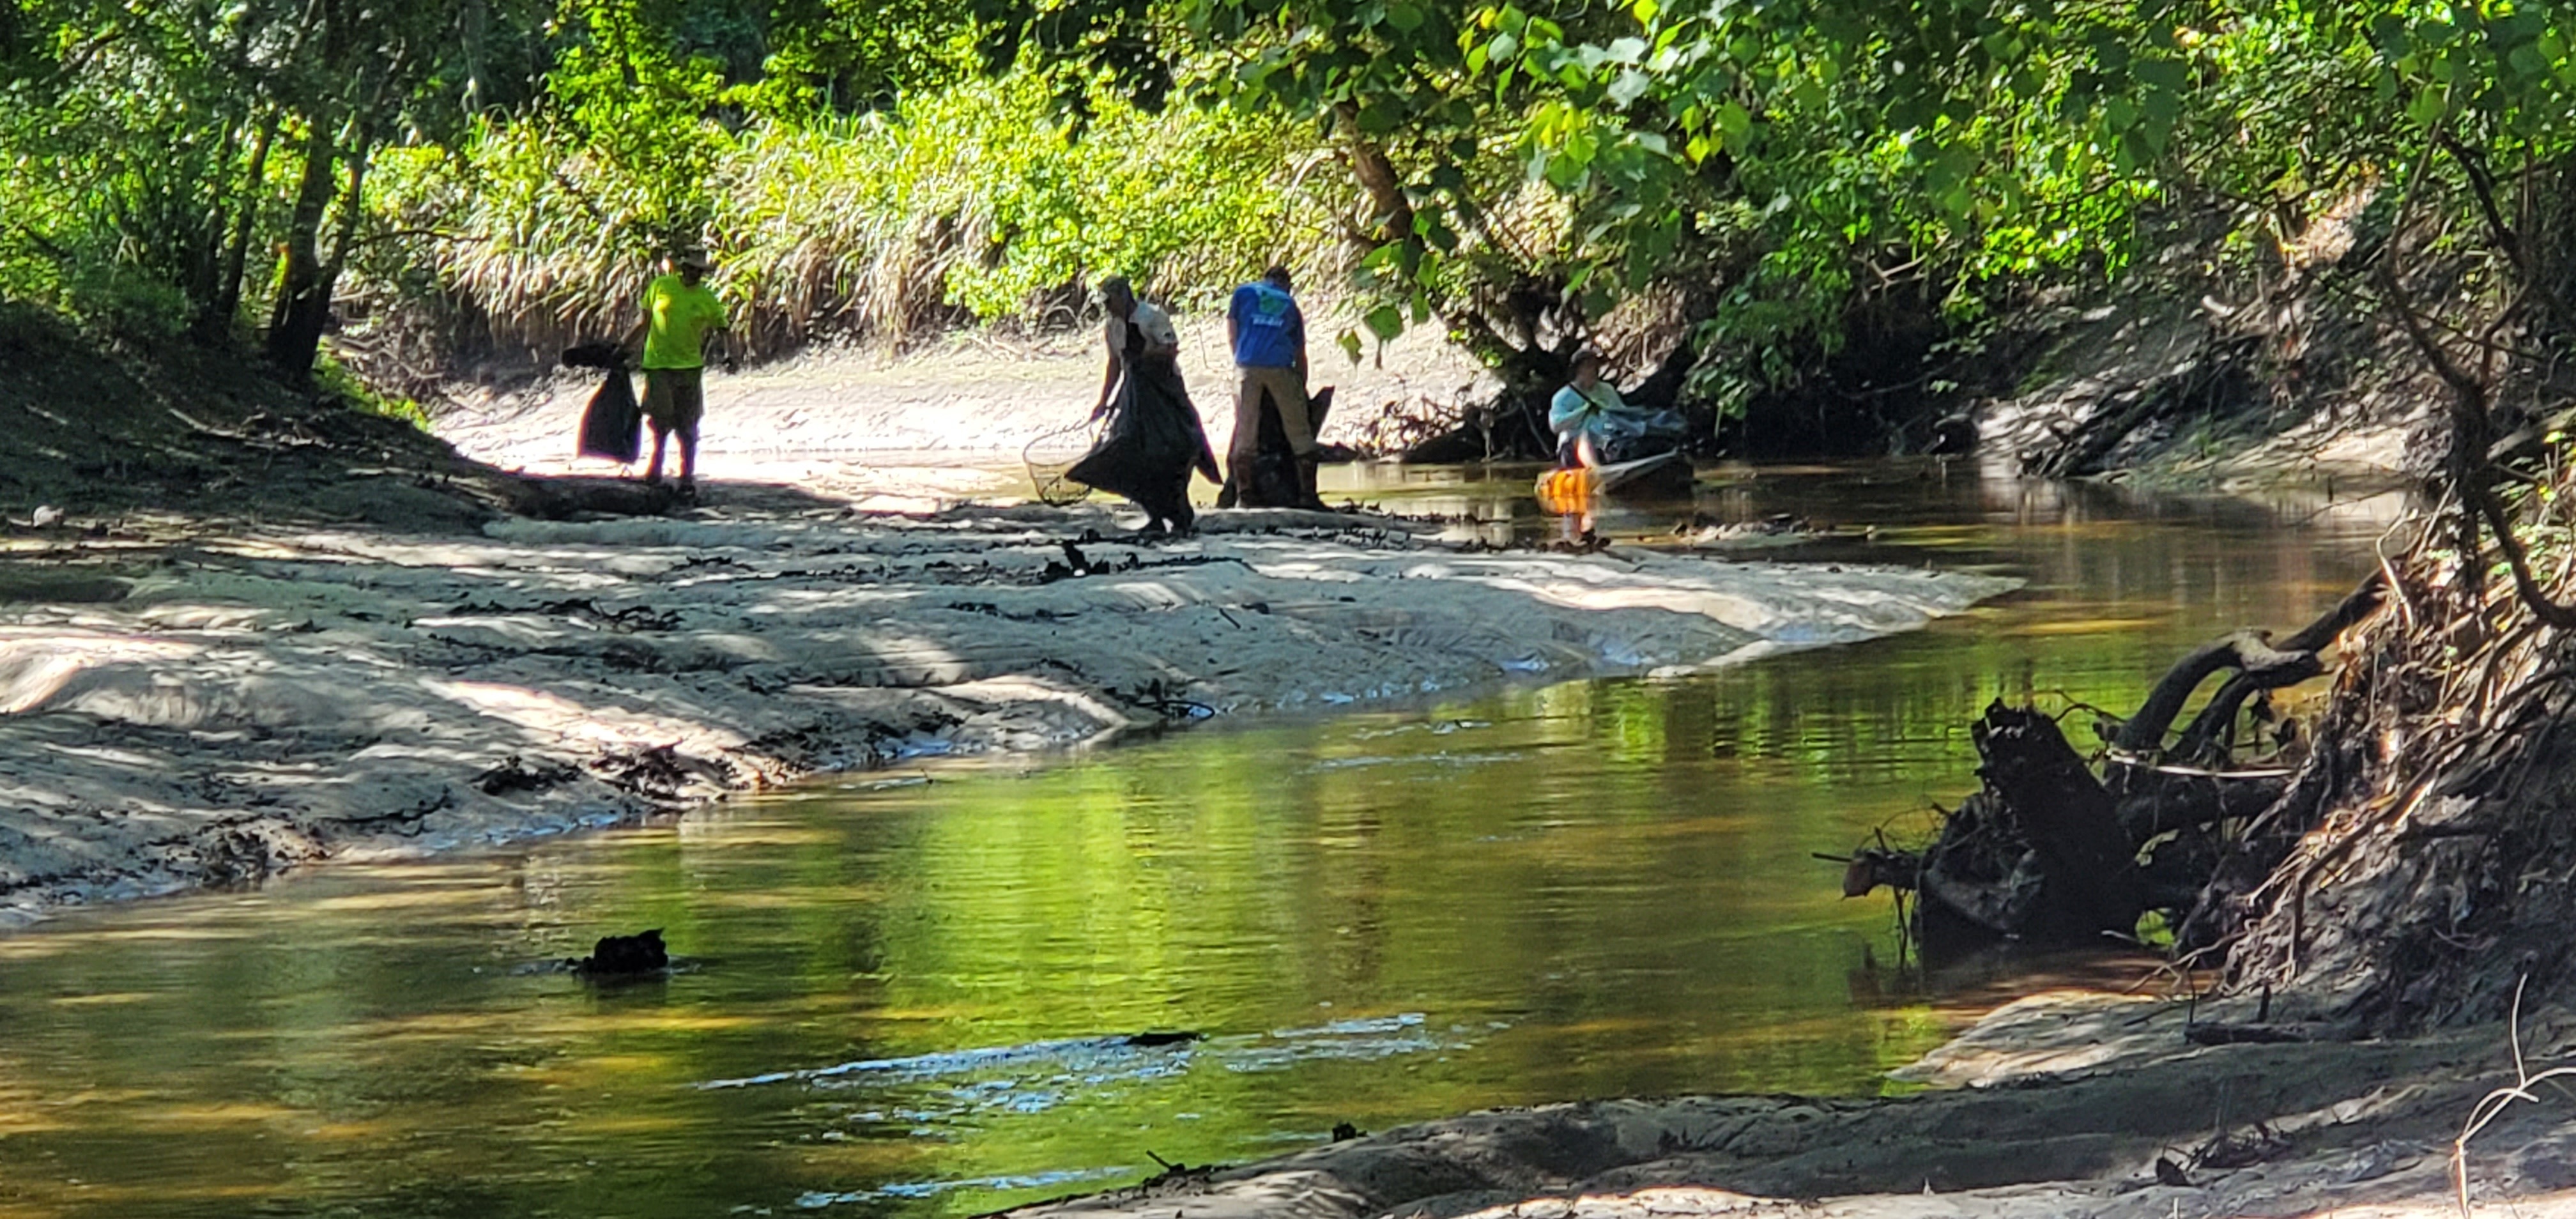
[[1269, 338]]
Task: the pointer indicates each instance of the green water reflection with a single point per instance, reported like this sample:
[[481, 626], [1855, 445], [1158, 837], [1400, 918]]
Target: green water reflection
[[903, 998]]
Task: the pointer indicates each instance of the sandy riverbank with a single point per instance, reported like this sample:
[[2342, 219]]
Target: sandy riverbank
[[2058, 1105], [193, 702], [214, 705], [915, 429]]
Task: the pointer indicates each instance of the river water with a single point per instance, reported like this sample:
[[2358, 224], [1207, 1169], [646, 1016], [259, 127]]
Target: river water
[[907, 993]]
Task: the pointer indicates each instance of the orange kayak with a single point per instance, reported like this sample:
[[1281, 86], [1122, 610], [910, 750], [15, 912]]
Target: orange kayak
[[1572, 489]]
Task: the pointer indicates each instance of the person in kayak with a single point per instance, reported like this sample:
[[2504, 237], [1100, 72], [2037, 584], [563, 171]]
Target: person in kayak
[[1595, 427]]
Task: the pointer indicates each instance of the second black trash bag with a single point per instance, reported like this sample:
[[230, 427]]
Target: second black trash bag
[[1275, 479], [613, 425]]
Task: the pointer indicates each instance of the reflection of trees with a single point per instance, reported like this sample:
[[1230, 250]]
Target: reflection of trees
[[1629, 890]]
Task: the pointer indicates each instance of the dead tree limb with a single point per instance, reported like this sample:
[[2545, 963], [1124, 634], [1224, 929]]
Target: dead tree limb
[[2263, 664], [2219, 717], [2248, 652]]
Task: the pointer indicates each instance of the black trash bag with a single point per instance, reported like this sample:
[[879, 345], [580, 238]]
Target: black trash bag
[[598, 353], [612, 425], [1274, 477], [1152, 442]]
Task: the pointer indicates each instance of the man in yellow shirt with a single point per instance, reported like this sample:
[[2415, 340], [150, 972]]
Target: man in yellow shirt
[[681, 314]]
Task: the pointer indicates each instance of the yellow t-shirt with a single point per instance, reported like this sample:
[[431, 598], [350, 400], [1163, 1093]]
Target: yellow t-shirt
[[681, 317]]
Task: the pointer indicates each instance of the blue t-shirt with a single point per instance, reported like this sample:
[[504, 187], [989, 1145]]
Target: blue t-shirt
[[1268, 330]]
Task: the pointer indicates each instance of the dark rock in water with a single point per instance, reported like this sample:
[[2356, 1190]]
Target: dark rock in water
[[625, 955], [1154, 1040]]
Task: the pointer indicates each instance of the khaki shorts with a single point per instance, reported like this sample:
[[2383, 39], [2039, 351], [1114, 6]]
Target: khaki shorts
[[675, 399]]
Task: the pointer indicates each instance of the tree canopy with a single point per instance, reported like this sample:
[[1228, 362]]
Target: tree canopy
[[1514, 170]]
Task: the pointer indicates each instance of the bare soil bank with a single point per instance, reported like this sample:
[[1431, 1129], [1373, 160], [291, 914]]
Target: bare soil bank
[[2058, 1105]]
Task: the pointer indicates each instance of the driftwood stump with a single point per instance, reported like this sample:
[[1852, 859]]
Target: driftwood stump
[[2047, 851], [2086, 862]]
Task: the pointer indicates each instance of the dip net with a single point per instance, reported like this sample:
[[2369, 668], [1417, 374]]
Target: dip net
[[1062, 449]]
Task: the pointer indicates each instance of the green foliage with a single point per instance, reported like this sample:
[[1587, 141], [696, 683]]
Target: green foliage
[[335, 378], [165, 148], [627, 96], [1806, 154], [972, 199], [1519, 168]]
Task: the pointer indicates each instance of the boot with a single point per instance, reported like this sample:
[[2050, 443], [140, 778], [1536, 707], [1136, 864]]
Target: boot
[[1225, 495], [1306, 497]]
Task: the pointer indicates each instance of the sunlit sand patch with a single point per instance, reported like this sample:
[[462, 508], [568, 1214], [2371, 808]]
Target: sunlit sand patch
[[939, 1014], [750, 833], [542, 1023], [36, 666], [625, 1125], [92, 1096], [838, 1151], [157, 932], [1605, 1026], [350, 1131], [776, 899], [209, 1116], [152, 1193], [2054, 1031], [22, 1108]]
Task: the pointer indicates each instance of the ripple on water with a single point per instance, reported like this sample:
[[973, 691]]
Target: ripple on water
[[816, 1200], [1041, 1075]]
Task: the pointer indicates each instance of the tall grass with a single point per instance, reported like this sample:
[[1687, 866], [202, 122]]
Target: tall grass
[[969, 204]]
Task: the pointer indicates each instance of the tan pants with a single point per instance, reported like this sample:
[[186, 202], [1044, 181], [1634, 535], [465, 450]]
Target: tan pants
[[1288, 393]]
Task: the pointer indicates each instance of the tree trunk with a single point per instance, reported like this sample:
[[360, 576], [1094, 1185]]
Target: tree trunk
[[474, 22], [219, 315], [303, 296], [1390, 213], [359, 157]]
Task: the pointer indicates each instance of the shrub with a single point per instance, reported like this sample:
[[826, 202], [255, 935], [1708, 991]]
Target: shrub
[[970, 202]]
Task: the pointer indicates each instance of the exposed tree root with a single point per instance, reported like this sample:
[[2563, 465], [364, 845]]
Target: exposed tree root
[[2436, 858], [2049, 851]]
